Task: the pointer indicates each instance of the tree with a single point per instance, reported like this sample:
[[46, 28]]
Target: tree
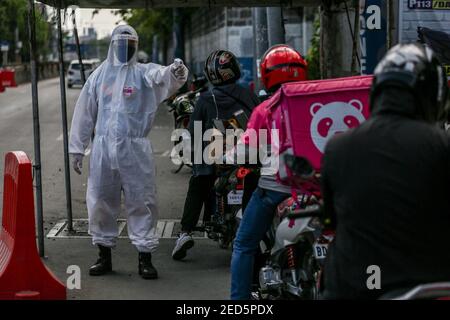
[[148, 23], [153, 22], [313, 56], [13, 15]]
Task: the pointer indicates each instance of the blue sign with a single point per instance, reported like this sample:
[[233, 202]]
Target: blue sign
[[246, 71], [373, 33]]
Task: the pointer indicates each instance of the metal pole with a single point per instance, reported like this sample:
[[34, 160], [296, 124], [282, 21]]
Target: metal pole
[[36, 128], [261, 43], [77, 41], [388, 25], [390, 17], [275, 28], [178, 34], [62, 85]]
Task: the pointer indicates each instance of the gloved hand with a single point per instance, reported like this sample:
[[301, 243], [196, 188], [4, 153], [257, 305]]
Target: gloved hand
[[77, 162], [179, 70]]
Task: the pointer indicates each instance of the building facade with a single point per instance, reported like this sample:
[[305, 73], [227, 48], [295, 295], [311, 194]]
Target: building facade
[[232, 28]]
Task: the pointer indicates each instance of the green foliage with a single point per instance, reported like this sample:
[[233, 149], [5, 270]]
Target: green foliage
[[13, 14], [313, 56], [148, 23]]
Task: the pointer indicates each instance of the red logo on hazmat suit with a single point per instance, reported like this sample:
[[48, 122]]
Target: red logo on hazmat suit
[[128, 91]]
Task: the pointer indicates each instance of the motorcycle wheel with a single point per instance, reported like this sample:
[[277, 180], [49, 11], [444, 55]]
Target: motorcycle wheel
[[312, 269], [230, 229]]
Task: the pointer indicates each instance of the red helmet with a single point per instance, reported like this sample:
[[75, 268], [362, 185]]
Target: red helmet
[[281, 64]]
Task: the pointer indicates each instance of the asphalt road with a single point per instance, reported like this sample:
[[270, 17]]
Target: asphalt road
[[204, 275]]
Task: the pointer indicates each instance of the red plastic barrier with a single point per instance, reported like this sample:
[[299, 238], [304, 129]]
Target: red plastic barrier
[[2, 88], [22, 273], [8, 78]]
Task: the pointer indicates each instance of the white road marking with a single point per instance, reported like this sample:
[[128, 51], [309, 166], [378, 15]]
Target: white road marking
[[160, 228], [55, 230], [164, 230], [168, 230], [166, 153], [161, 127]]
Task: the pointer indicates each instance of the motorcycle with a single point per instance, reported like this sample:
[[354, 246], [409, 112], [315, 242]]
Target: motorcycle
[[182, 106], [296, 246], [229, 190], [293, 252]]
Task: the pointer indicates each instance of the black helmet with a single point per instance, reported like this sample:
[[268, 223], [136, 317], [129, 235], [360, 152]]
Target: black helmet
[[416, 68], [222, 68]]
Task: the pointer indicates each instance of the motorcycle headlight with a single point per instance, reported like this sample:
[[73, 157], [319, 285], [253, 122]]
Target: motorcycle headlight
[[186, 107]]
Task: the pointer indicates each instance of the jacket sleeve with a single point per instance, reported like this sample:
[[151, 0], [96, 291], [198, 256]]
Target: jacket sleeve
[[84, 118], [162, 81]]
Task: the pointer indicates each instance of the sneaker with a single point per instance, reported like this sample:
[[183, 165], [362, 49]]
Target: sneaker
[[184, 243]]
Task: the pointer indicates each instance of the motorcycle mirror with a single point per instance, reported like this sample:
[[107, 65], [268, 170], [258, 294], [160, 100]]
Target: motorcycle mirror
[[300, 166]]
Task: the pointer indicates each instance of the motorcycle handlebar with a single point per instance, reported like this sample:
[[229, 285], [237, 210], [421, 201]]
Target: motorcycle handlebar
[[310, 212]]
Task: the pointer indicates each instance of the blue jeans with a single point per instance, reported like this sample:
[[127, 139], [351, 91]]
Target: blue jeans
[[257, 219]]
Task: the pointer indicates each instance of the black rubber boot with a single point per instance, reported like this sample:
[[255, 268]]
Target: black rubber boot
[[146, 268], [103, 264]]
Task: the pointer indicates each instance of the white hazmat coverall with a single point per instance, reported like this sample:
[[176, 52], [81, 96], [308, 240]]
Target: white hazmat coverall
[[119, 101]]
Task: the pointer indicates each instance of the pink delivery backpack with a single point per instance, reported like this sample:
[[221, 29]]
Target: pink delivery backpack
[[308, 114]]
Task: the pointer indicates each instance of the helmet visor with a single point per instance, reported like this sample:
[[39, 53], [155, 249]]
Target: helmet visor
[[124, 47]]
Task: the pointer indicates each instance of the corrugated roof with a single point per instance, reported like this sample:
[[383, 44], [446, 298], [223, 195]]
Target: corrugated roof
[[122, 4]]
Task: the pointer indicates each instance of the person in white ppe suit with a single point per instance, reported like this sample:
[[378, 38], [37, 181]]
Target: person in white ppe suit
[[117, 107]]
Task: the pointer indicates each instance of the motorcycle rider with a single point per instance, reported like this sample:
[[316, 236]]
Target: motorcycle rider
[[280, 64], [119, 101], [386, 183], [221, 102]]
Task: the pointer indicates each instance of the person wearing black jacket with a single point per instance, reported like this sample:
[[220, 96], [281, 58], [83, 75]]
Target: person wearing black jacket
[[386, 184], [220, 102]]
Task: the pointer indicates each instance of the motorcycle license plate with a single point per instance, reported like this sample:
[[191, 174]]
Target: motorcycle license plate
[[320, 251], [235, 197]]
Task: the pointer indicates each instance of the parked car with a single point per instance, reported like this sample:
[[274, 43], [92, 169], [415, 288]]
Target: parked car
[[74, 74]]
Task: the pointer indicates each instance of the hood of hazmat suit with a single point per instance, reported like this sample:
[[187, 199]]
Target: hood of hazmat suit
[[118, 103]]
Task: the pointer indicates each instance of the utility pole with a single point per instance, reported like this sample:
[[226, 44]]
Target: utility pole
[[337, 45], [260, 41], [275, 26], [178, 34], [391, 26]]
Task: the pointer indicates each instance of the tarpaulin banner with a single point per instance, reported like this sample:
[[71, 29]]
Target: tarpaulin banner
[[315, 111]]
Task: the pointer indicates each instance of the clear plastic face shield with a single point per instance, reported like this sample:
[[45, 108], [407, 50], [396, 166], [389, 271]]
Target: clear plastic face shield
[[124, 48]]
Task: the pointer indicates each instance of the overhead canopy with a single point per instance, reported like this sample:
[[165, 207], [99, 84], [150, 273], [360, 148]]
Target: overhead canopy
[[121, 4]]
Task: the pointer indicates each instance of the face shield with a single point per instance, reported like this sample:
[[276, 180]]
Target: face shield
[[124, 47]]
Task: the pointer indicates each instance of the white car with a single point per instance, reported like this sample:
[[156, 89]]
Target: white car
[[74, 74]]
